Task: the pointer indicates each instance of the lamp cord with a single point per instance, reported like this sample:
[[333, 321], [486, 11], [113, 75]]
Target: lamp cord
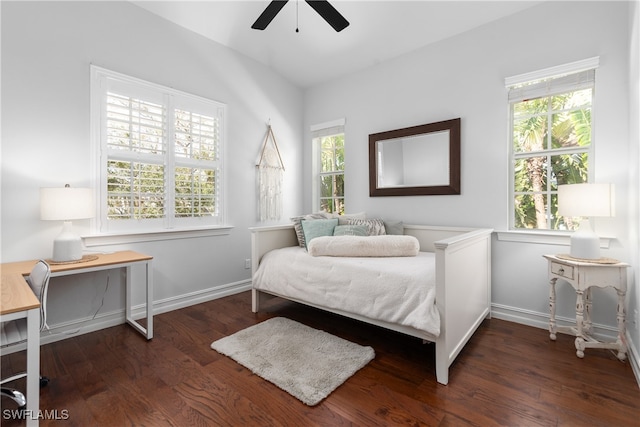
[[93, 317]]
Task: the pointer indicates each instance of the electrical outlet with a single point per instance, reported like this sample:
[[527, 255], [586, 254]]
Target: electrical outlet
[[247, 263], [636, 317]]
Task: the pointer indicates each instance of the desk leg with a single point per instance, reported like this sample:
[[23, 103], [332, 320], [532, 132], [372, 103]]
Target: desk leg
[[128, 296], [580, 346], [622, 347], [149, 268], [148, 331], [552, 309], [33, 366]]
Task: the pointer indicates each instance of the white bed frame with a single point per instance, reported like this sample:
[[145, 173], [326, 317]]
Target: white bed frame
[[463, 283]]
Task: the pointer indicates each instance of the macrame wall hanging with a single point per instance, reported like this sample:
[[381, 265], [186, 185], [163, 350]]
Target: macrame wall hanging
[[270, 175]]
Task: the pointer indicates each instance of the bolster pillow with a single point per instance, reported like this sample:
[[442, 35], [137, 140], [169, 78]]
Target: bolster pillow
[[364, 246]]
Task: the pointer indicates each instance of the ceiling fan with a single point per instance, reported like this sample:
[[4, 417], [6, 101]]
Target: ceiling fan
[[323, 7]]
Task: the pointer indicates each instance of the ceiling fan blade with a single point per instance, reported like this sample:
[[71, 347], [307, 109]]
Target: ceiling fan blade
[[268, 14], [329, 13]]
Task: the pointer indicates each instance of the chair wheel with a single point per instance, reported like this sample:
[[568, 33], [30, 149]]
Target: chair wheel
[[44, 381]]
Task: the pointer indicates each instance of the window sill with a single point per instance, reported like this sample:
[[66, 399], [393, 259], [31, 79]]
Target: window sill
[[154, 236], [544, 237]]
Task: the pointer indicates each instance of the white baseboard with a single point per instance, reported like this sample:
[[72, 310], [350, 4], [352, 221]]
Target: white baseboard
[[518, 315], [193, 298], [541, 320], [634, 357], [77, 327]]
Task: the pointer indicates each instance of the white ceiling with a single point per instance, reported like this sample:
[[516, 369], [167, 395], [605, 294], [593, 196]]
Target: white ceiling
[[378, 30]]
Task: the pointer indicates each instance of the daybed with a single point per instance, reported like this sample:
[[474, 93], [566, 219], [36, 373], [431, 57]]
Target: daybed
[[462, 283]]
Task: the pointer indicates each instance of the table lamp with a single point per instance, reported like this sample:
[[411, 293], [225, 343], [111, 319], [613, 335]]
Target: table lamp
[[66, 204], [585, 200]]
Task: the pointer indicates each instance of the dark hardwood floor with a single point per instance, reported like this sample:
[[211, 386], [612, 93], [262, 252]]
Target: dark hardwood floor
[[508, 375]]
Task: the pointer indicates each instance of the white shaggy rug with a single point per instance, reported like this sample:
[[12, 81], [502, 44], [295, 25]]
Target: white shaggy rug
[[305, 362]]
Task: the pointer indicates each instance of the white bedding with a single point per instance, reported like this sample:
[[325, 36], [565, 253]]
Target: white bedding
[[398, 290]]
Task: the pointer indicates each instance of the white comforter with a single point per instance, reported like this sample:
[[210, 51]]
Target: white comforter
[[398, 290]]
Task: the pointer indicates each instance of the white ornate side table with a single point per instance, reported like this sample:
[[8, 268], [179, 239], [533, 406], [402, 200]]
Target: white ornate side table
[[584, 275]]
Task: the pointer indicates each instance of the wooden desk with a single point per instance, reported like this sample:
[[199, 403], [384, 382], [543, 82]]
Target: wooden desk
[[18, 301], [123, 259]]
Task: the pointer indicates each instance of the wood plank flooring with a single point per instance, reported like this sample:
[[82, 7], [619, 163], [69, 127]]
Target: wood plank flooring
[[508, 375]]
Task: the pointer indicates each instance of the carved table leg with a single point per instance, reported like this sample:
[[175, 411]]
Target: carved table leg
[[622, 347], [552, 308], [587, 312], [580, 347]]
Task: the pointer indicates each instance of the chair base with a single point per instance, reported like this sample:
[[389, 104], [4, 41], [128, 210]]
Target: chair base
[[18, 396], [15, 395]]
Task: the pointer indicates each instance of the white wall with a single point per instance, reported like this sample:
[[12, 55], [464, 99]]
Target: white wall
[[464, 77], [634, 178], [47, 48]]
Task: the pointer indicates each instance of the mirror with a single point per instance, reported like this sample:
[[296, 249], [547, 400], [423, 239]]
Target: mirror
[[418, 160]]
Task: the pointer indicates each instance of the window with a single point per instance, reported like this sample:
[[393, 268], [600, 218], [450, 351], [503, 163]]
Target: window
[[551, 141], [328, 159], [161, 155]]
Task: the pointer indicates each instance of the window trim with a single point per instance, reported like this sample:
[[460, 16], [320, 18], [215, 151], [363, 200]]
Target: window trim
[[166, 227], [120, 238], [544, 237], [558, 70], [548, 235]]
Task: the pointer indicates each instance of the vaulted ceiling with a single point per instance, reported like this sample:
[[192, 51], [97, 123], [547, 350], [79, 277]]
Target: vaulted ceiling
[[378, 30]]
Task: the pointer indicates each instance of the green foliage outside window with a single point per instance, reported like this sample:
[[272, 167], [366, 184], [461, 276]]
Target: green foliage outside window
[[332, 174], [195, 192], [135, 190], [551, 140]]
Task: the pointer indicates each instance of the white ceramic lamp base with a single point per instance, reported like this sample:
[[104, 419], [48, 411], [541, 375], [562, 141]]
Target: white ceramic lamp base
[[67, 246], [585, 243]]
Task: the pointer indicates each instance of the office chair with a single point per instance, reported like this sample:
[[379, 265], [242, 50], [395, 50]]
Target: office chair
[[15, 331]]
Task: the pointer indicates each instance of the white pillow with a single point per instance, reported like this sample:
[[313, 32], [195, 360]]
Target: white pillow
[[344, 218], [375, 227], [364, 246]]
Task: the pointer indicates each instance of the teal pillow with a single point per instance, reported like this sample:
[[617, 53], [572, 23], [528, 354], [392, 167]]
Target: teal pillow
[[351, 230], [313, 228], [394, 227]]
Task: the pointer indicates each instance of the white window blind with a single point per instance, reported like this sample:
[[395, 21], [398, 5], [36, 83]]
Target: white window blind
[[335, 127], [161, 155], [553, 80], [552, 86], [135, 125]]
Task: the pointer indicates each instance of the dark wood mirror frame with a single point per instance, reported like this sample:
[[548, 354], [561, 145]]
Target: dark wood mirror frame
[[453, 187]]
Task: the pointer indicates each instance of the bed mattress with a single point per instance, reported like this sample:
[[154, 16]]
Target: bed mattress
[[398, 290]]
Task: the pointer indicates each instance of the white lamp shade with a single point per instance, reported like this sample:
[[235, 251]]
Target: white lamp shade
[[66, 203], [586, 200]]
